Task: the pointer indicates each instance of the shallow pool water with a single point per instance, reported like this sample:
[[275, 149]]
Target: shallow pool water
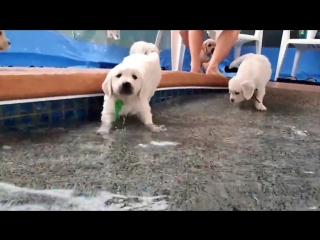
[[214, 156]]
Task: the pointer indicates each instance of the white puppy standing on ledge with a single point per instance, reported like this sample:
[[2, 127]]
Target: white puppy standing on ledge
[[143, 47], [252, 77], [134, 82]]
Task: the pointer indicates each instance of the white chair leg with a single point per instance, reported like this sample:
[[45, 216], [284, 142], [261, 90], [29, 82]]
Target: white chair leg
[[181, 56], [158, 38], [282, 53], [258, 47], [176, 48], [296, 60], [237, 50]]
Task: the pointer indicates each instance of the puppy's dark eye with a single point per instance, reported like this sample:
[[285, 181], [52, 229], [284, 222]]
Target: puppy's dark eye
[[146, 53], [236, 93], [134, 77], [209, 45], [119, 75]]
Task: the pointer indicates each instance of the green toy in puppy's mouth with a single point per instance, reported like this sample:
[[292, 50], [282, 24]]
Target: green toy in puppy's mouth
[[117, 107]]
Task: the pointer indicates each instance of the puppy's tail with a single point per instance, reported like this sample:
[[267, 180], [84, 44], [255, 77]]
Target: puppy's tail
[[153, 57], [239, 60]]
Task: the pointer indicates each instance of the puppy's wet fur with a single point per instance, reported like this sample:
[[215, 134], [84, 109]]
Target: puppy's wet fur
[[134, 82]]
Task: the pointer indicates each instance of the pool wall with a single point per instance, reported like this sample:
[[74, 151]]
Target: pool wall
[[66, 97]]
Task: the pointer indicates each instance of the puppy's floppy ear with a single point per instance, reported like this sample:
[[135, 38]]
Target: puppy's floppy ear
[[143, 93], [247, 89], [204, 47], [107, 84]]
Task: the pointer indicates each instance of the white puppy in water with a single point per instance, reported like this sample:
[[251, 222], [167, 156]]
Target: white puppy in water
[[134, 82], [252, 77]]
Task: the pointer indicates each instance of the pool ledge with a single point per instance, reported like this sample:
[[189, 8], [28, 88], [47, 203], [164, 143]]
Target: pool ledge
[[29, 83]]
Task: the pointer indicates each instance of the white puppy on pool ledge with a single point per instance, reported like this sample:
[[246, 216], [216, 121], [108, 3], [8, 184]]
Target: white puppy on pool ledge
[[143, 48], [134, 82]]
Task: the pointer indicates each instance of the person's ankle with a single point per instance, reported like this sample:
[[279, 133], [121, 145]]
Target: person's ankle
[[195, 68]]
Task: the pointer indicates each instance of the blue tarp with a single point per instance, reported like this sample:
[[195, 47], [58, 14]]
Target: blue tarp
[[52, 49]]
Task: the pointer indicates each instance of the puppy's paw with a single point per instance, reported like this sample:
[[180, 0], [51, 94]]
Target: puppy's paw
[[104, 129], [205, 65], [261, 107], [155, 128]]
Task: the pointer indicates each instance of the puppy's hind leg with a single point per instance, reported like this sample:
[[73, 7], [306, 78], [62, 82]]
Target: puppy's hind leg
[[260, 95], [146, 117]]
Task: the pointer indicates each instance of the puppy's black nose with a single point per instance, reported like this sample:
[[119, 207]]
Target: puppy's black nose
[[126, 88], [232, 100], [9, 43], [126, 85], [212, 50]]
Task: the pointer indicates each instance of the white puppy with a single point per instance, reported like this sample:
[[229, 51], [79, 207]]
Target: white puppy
[[134, 82], [143, 48], [252, 77], [4, 41]]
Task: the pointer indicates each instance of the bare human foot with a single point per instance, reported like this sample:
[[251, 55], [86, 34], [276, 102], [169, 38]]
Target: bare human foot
[[195, 69], [214, 70]]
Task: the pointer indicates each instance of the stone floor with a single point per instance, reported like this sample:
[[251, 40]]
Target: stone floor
[[214, 156]]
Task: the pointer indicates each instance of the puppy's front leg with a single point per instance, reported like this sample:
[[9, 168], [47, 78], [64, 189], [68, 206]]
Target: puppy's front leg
[[146, 117], [260, 95], [106, 125], [107, 116]]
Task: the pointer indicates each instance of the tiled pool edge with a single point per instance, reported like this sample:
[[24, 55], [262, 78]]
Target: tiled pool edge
[[41, 114]]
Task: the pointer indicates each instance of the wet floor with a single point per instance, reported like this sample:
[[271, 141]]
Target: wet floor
[[214, 156]]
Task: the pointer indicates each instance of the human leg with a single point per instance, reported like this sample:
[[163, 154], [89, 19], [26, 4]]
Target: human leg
[[195, 43], [223, 46], [184, 36]]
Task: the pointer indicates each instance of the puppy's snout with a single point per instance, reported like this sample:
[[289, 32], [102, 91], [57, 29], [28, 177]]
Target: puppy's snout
[[126, 85], [126, 88], [212, 50], [232, 100]]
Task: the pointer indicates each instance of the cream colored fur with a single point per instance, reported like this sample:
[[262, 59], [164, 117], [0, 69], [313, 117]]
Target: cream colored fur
[[143, 48], [147, 72], [208, 47], [252, 77]]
